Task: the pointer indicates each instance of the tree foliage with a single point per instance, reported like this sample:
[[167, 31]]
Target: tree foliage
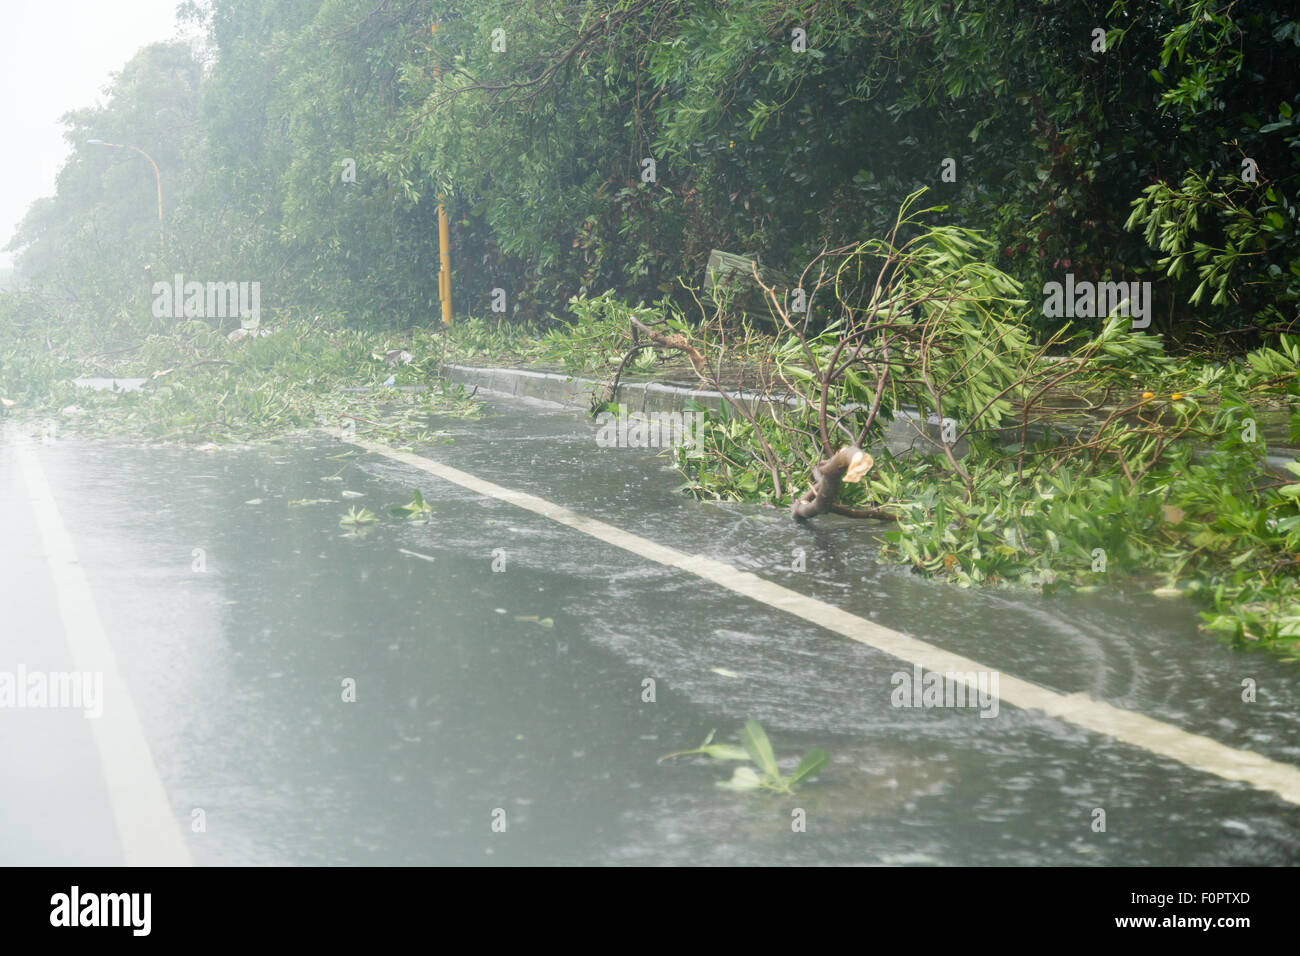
[[1111, 141]]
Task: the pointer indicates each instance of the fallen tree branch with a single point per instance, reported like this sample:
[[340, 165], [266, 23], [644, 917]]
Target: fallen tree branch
[[677, 341], [880, 514], [849, 464], [613, 389]]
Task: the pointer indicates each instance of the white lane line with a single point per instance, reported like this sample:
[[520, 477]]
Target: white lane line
[[147, 827], [1193, 750]]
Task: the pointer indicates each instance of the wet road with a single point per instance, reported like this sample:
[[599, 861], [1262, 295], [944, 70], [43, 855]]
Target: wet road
[[242, 617]]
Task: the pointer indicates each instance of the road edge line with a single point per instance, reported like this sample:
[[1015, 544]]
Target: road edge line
[[1131, 727]]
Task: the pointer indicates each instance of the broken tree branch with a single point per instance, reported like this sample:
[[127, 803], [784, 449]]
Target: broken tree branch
[[849, 464]]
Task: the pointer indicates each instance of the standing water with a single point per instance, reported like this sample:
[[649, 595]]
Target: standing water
[[385, 693]]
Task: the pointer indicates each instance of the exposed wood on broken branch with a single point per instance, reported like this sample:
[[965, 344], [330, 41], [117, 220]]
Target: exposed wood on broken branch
[[849, 464]]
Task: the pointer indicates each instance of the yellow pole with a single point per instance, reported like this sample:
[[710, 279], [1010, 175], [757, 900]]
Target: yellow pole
[[444, 239], [444, 262]]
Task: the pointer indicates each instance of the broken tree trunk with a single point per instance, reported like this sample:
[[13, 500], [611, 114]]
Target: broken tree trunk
[[849, 464]]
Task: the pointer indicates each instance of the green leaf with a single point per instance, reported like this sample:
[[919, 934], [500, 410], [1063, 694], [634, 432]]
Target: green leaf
[[725, 752], [745, 778], [812, 762], [760, 748]]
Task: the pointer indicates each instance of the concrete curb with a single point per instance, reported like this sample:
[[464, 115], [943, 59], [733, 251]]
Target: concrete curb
[[574, 390], [904, 434]]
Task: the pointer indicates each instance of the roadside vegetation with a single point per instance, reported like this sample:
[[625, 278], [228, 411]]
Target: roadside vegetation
[[1082, 460], [191, 384]]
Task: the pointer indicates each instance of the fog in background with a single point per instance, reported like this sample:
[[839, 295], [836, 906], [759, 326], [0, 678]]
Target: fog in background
[[56, 56]]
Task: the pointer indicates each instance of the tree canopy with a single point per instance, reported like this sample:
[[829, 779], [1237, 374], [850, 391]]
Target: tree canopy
[[613, 144]]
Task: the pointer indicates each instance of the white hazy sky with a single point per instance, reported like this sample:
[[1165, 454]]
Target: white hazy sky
[[55, 56]]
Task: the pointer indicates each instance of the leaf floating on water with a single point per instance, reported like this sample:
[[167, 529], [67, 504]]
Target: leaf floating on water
[[758, 749], [754, 737], [744, 779], [418, 508], [534, 619], [812, 761], [725, 752], [354, 518], [710, 749]]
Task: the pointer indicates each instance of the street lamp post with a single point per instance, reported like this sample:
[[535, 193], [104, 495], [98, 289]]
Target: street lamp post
[[162, 238]]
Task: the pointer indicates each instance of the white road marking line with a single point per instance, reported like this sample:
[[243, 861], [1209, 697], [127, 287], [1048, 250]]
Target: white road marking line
[[147, 827], [1192, 750]]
